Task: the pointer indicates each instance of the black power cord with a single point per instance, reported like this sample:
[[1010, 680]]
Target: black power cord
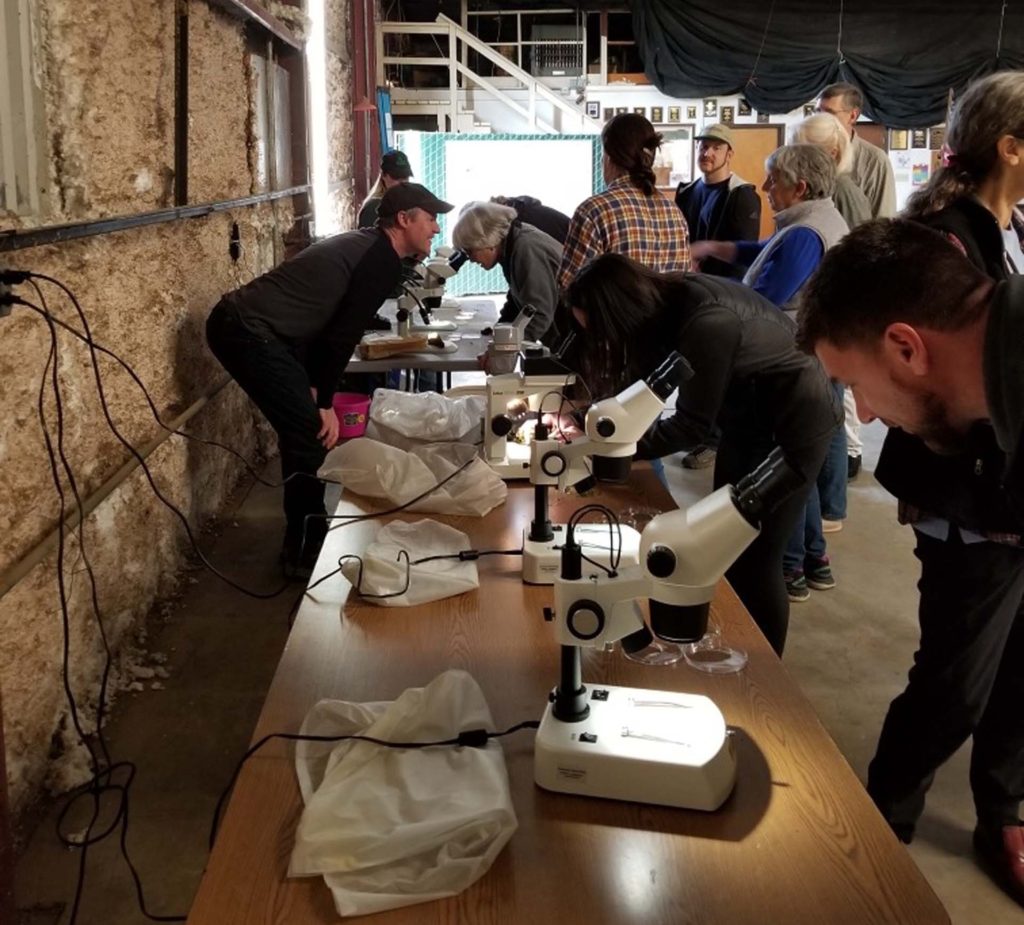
[[472, 738], [102, 769]]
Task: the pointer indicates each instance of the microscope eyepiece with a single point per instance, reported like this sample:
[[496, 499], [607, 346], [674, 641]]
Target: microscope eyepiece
[[666, 378], [761, 491]]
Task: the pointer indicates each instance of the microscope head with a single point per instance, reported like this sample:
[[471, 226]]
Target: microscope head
[[686, 552]]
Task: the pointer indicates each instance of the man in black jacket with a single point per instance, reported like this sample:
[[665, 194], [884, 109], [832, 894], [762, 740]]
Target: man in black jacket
[[287, 336], [719, 206], [931, 345]]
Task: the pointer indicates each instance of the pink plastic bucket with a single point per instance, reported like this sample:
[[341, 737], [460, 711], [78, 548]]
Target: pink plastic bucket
[[353, 410]]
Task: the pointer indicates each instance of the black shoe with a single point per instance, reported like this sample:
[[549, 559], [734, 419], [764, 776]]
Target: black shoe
[[298, 554], [852, 466]]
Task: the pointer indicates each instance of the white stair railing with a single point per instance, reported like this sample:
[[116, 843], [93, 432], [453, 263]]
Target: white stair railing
[[577, 117]]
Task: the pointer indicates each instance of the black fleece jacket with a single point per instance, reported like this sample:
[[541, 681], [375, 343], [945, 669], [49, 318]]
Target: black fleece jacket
[[749, 377]]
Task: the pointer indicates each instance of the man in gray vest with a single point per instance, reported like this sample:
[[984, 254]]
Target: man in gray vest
[[871, 171]]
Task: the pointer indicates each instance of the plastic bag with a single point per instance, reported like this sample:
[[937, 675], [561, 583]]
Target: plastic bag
[[387, 827], [408, 419], [379, 471], [383, 572]]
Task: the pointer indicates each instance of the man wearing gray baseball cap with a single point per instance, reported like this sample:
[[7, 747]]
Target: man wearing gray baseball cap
[[719, 206]]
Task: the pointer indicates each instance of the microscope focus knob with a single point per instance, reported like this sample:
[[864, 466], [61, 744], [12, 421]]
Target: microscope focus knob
[[585, 619], [501, 425], [661, 561], [552, 464], [605, 427]]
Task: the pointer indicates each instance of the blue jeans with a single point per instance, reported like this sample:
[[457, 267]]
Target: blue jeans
[[659, 470], [806, 541], [834, 474]]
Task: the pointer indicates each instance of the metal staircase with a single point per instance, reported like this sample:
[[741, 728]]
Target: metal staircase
[[540, 108]]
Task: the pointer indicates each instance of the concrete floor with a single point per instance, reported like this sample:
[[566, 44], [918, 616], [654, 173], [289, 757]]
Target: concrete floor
[[848, 648]]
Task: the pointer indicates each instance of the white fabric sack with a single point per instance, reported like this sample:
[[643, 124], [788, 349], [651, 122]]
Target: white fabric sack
[[379, 471], [408, 419], [387, 827], [384, 572]]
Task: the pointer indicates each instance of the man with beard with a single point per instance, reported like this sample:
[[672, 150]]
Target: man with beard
[[719, 206], [931, 345]]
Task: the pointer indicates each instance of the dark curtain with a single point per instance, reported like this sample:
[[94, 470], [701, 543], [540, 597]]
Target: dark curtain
[[779, 54]]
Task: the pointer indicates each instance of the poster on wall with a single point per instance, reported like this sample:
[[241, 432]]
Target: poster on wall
[[673, 114], [677, 154], [743, 107], [691, 112], [657, 114], [728, 115], [919, 175], [919, 138], [710, 109]]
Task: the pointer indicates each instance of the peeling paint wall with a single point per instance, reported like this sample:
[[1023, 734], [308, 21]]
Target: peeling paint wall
[[106, 68]]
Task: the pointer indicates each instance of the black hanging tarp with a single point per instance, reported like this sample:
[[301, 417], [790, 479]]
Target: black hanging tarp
[[904, 56]]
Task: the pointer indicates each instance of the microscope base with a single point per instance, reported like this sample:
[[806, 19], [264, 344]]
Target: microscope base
[[543, 560], [643, 746]]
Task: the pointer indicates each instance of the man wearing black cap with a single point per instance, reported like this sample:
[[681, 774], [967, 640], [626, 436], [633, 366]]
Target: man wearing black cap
[[286, 336], [394, 169]]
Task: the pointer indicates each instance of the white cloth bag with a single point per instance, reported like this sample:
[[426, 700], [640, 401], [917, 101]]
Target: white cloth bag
[[384, 571], [387, 827], [407, 419], [380, 471]]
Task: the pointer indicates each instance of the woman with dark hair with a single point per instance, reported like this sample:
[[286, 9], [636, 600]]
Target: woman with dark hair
[[963, 683], [630, 217], [748, 377]]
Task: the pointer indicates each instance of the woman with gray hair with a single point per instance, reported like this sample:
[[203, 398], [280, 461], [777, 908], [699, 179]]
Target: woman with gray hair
[[492, 234], [827, 132], [800, 182]]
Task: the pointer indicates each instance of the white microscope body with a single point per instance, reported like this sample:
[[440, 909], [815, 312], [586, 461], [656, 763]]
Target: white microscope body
[[523, 382], [612, 429], [640, 745], [426, 292]]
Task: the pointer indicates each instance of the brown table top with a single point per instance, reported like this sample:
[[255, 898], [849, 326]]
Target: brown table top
[[799, 840]]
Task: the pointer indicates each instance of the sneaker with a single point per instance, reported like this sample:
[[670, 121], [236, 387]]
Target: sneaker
[[831, 526], [796, 587], [819, 574], [700, 457], [852, 466]]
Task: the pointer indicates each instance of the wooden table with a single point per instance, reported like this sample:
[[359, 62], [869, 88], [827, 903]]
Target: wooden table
[[470, 343], [799, 841]]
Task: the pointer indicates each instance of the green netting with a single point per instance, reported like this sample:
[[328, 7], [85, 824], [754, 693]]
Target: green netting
[[426, 151]]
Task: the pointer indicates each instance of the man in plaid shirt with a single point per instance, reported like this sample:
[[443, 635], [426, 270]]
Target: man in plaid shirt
[[630, 217]]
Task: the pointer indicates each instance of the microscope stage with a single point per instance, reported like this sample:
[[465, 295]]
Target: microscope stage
[[433, 326], [542, 560], [644, 746]]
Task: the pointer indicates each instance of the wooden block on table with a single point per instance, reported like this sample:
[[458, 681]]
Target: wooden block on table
[[374, 347]]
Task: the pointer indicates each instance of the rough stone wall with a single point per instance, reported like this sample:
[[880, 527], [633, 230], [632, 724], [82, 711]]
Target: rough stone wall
[[107, 69], [338, 42]]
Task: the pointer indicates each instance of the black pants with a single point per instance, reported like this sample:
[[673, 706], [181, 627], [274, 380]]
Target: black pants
[[756, 576], [279, 386], [967, 679]]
